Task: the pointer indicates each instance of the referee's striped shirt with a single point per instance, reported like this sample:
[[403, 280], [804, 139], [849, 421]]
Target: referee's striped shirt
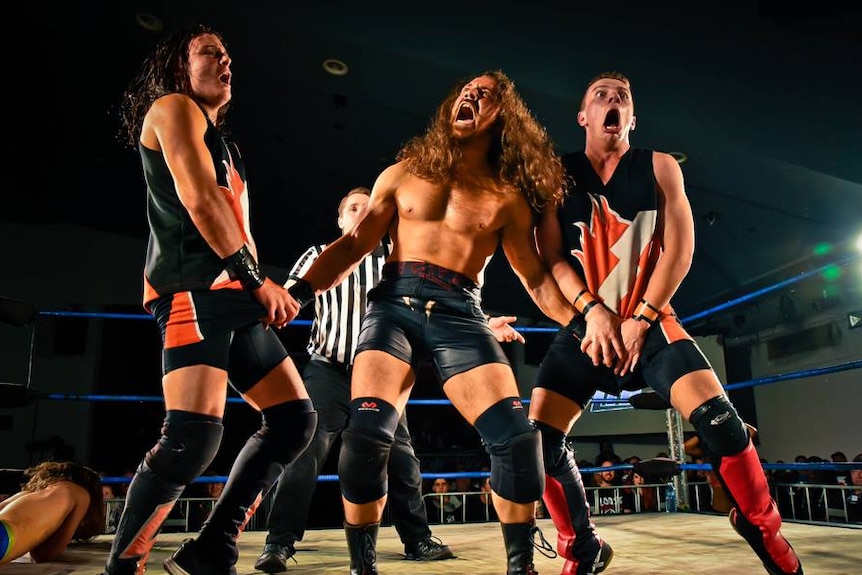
[[338, 312]]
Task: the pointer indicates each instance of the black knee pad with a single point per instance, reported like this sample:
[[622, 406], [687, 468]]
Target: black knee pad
[[287, 429], [188, 444], [365, 449], [556, 452], [719, 426], [515, 447]]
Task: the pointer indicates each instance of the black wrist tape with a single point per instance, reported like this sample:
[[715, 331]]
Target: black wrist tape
[[588, 307], [243, 267], [302, 292], [577, 326]]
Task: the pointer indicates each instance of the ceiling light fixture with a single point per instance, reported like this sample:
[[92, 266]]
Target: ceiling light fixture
[[335, 67], [149, 22]]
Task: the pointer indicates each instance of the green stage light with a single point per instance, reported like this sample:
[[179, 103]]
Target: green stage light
[[822, 249]]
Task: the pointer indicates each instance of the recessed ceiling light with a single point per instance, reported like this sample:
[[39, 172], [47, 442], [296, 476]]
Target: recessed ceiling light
[[679, 157], [149, 22], [335, 67]]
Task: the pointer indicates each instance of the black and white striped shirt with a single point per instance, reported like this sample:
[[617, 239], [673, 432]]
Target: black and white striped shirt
[[338, 312]]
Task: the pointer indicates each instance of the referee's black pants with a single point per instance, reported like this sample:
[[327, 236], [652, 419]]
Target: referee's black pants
[[328, 386]]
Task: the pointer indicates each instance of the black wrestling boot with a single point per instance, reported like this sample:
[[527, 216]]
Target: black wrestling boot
[[362, 544], [518, 538]]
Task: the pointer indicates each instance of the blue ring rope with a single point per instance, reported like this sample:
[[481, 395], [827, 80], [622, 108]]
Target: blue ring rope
[[524, 329], [855, 364], [824, 466]]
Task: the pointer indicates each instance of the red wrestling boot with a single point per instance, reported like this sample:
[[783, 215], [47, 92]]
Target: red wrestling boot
[[755, 515], [577, 542]]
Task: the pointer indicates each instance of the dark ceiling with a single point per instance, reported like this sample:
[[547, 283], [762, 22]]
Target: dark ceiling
[[763, 97]]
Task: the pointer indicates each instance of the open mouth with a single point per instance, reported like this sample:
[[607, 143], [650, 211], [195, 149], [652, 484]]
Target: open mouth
[[612, 119], [225, 78], [466, 113]]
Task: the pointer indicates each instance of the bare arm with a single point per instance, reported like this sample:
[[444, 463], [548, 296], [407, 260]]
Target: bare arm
[[340, 257], [675, 233], [519, 245], [176, 126], [602, 341]]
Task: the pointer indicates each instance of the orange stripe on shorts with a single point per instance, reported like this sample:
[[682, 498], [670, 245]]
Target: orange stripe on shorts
[[672, 330], [182, 328]]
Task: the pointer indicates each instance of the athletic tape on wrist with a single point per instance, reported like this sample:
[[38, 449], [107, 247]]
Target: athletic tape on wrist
[[646, 312], [584, 301], [577, 326], [243, 267], [301, 291]]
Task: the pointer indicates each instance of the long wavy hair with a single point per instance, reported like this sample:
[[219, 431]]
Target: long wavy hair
[[164, 71], [48, 473], [522, 155]]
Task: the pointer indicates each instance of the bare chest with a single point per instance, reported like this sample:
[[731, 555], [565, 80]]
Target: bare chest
[[460, 209]]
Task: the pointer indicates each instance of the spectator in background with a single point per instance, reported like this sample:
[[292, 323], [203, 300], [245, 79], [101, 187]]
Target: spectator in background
[[442, 508], [609, 499], [462, 484], [854, 496], [203, 497], [840, 476], [113, 508], [625, 476], [479, 507], [637, 498]]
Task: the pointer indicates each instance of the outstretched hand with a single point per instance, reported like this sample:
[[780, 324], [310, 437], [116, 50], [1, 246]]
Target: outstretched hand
[[503, 330]]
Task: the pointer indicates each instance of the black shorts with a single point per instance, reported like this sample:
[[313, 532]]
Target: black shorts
[[668, 354], [219, 328], [421, 312]]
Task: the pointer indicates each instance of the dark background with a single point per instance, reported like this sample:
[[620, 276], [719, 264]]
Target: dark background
[[762, 96]]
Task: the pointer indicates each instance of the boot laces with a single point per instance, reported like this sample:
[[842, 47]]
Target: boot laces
[[544, 547], [369, 554]]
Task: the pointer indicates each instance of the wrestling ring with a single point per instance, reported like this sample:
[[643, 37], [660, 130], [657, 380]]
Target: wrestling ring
[[673, 540]]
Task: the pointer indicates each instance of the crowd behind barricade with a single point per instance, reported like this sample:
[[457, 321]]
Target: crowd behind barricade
[[802, 495], [808, 495], [805, 495]]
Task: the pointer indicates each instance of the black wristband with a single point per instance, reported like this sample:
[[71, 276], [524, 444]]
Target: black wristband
[[577, 326], [588, 307], [243, 267], [301, 291]]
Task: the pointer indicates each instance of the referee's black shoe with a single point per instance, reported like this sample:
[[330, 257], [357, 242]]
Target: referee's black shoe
[[427, 549]]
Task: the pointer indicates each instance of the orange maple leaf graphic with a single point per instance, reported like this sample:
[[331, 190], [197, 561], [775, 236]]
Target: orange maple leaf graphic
[[605, 229], [234, 193]]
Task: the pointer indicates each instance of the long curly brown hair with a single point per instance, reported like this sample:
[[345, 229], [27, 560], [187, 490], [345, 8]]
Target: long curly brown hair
[[522, 156], [48, 473], [164, 71]]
